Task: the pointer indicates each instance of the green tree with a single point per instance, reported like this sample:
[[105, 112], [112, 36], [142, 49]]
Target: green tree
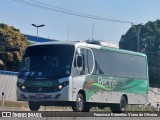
[[12, 46], [149, 43]]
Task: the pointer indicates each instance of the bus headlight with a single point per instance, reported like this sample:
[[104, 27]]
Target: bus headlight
[[23, 87], [60, 87]]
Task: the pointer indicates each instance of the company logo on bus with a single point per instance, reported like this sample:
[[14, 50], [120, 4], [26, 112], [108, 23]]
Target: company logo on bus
[[110, 83], [102, 83]]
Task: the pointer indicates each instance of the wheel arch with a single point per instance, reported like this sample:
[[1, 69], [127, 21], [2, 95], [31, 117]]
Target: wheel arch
[[83, 93], [126, 97]]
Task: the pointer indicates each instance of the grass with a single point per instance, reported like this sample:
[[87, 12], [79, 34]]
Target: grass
[[17, 104]]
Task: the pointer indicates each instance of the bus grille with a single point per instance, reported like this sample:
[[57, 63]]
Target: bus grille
[[40, 89]]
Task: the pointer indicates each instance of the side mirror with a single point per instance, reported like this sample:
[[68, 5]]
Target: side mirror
[[79, 61]]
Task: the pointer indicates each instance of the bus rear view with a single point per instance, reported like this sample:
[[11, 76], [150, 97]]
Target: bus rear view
[[45, 74]]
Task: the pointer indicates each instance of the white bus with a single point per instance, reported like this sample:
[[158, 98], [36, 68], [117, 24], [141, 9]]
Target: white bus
[[82, 75]]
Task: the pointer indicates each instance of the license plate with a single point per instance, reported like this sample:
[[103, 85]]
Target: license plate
[[40, 96]]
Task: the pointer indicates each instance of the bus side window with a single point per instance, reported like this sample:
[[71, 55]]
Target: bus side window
[[84, 65]]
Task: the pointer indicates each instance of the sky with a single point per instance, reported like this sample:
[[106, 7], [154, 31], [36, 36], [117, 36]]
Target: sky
[[62, 26]]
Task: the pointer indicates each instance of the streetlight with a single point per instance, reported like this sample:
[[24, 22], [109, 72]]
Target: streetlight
[[37, 26]]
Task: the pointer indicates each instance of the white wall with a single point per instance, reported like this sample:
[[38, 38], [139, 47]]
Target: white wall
[[154, 96], [8, 85]]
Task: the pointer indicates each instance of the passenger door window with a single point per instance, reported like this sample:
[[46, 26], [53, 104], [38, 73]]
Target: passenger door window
[[87, 62]]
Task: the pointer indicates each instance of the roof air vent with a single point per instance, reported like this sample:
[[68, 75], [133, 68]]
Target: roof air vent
[[93, 42]]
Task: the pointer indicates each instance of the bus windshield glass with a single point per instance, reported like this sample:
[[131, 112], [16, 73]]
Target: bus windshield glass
[[47, 61]]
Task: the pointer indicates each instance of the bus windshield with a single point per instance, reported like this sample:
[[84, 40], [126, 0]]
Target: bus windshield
[[47, 61]]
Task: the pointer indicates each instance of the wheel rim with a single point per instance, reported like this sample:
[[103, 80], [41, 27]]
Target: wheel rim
[[80, 103]]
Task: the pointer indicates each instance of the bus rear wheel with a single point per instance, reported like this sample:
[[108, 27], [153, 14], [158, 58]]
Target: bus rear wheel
[[119, 108], [33, 106], [80, 104]]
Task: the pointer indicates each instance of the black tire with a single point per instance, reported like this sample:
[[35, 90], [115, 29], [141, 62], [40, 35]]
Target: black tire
[[101, 107], [80, 104], [119, 108], [33, 106]]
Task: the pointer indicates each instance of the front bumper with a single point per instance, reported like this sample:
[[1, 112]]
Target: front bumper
[[62, 95]]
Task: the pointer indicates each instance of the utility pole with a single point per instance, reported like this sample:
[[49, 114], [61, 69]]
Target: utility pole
[[68, 35], [92, 31]]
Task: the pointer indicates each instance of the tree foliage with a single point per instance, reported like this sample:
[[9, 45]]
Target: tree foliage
[[149, 43], [12, 46]]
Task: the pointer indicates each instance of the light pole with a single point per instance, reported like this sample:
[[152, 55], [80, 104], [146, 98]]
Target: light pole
[[92, 31], [37, 26]]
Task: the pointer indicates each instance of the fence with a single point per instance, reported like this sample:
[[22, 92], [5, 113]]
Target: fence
[[8, 85]]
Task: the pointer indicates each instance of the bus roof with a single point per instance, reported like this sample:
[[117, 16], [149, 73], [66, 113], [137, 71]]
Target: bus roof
[[56, 42], [123, 51], [90, 45]]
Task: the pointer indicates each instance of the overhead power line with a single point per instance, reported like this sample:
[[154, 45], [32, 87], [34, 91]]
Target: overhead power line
[[69, 12]]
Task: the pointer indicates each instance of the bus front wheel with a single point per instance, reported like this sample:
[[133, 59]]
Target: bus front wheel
[[121, 107], [80, 104], [33, 106]]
